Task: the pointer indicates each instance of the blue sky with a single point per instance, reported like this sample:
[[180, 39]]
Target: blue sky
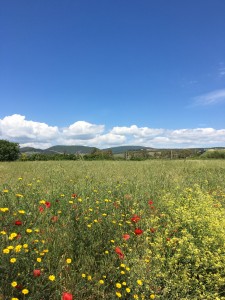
[[113, 72]]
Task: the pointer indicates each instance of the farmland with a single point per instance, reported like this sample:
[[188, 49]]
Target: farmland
[[112, 229]]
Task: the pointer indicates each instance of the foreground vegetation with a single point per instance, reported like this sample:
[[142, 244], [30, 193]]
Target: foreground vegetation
[[109, 230]]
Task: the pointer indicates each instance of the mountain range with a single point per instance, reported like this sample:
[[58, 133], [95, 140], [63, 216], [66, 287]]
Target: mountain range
[[61, 149]]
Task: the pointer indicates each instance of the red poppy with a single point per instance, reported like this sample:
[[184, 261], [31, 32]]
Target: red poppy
[[18, 222], [150, 202], [74, 196], [119, 252], [41, 209], [126, 237], [135, 219], [67, 296], [37, 273], [138, 231], [47, 204]]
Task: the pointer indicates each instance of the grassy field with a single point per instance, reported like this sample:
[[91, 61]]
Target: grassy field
[[108, 230]]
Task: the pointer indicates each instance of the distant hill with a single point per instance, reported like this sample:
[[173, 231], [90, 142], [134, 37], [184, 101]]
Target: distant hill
[[122, 149], [31, 150], [60, 149], [71, 149]]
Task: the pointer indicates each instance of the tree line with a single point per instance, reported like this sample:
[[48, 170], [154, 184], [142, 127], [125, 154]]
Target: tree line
[[10, 151]]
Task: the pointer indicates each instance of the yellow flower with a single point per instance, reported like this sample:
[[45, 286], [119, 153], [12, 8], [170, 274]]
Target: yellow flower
[[152, 296], [14, 284], [69, 260], [3, 232], [136, 296], [5, 191], [21, 211], [25, 291], [25, 246], [19, 195], [38, 259], [12, 236], [139, 282], [122, 272], [4, 209], [14, 298], [118, 294], [83, 275], [128, 290], [51, 277], [118, 285], [18, 248], [106, 252], [13, 260], [28, 230], [89, 277], [6, 251], [101, 281], [124, 283]]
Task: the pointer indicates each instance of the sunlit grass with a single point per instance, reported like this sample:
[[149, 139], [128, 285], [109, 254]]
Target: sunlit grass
[[109, 230]]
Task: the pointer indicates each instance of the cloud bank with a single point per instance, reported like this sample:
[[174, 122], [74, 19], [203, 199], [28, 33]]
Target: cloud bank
[[16, 128]]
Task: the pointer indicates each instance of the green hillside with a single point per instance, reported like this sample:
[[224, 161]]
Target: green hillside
[[70, 149], [31, 150], [122, 149]]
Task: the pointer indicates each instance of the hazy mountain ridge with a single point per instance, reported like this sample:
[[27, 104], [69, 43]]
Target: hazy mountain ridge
[[61, 149], [79, 149]]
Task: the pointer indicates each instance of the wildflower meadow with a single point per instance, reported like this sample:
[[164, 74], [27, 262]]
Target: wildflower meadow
[[93, 230]]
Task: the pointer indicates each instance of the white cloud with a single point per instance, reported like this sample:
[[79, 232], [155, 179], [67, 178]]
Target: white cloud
[[211, 98], [40, 135], [135, 131], [83, 130], [20, 130]]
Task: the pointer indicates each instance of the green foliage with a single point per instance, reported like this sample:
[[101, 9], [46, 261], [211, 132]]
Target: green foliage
[[99, 155], [8, 151], [214, 154]]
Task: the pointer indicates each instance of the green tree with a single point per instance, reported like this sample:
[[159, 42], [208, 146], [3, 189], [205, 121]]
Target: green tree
[[9, 151]]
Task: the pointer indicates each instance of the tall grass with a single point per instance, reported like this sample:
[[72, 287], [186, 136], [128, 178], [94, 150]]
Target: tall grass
[[108, 230]]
